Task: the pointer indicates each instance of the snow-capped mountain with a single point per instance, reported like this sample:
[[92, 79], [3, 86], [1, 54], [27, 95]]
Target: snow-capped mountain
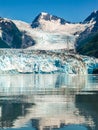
[[47, 32], [88, 37], [51, 23], [50, 32], [93, 18], [47, 17]]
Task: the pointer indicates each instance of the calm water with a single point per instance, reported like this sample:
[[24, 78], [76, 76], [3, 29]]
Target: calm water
[[48, 102]]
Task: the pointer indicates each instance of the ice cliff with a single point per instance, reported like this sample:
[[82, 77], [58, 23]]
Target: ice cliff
[[30, 61]]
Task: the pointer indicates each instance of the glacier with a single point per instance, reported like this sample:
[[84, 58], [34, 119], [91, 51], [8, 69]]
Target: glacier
[[26, 61], [39, 61], [46, 40], [91, 63]]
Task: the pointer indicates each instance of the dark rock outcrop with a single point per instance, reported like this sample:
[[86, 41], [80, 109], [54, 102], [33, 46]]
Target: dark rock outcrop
[[10, 34]]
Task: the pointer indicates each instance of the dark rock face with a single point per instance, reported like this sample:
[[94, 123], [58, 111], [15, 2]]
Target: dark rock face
[[27, 41], [90, 32], [3, 44], [89, 46], [12, 37], [10, 33], [47, 17], [93, 17], [36, 23]]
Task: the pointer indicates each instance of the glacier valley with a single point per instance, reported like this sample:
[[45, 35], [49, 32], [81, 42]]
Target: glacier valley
[[47, 45]]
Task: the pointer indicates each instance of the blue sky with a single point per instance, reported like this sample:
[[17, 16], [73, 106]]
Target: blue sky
[[26, 10]]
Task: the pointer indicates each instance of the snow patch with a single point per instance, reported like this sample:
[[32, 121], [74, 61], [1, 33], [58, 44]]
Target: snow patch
[[44, 13]]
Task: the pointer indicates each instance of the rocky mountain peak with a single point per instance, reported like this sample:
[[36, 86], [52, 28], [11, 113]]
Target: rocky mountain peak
[[92, 17], [47, 17]]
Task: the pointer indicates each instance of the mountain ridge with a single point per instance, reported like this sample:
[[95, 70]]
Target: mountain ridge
[[47, 32]]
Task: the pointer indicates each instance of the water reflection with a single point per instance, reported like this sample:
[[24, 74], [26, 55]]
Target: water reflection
[[49, 102], [28, 83]]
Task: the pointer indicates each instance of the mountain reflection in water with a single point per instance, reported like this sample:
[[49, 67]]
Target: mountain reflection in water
[[48, 102]]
